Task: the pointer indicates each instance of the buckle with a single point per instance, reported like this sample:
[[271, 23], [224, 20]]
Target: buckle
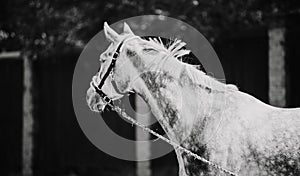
[[116, 55], [107, 100]]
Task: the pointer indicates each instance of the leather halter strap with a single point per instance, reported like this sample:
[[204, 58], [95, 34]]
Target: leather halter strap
[[111, 66], [109, 71]]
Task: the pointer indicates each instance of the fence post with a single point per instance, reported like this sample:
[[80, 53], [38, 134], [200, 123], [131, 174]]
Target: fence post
[[27, 148], [142, 150], [277, 74]]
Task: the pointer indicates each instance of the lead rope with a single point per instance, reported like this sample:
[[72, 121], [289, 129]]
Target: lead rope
[[175, 145]]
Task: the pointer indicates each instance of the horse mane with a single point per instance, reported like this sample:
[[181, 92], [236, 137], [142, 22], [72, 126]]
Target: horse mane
[[175, 49], [198, 77]]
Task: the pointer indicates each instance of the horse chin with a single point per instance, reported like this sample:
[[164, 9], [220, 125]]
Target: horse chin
[[99, 107]]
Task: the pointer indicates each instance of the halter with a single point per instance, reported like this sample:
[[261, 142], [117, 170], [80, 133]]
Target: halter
[[110, 72]]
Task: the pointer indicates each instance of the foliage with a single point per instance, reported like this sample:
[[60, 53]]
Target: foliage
[[47, 26]]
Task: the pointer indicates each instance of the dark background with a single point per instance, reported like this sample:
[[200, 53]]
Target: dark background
[[53, 33]]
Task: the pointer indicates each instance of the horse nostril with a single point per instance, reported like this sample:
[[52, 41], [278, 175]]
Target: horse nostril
[[99, 107]]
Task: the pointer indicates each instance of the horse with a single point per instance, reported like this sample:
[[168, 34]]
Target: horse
[[214, 120]]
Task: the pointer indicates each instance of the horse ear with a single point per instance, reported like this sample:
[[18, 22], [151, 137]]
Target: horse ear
[[126, 29], [110, 34]]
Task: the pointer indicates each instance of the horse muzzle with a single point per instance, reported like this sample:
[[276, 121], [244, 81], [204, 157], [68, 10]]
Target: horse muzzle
[[94, 101]]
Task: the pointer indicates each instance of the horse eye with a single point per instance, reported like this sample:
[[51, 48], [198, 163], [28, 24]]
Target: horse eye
[[150, 50]]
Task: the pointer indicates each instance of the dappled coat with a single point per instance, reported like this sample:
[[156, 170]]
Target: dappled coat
[[216, 121]]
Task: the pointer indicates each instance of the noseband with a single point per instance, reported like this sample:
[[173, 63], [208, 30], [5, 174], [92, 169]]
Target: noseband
[[108, 72]]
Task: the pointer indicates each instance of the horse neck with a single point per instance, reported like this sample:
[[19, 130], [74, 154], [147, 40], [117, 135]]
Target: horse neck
[[163, 85]]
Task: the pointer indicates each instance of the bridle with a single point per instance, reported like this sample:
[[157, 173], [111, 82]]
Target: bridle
[[110, 71]]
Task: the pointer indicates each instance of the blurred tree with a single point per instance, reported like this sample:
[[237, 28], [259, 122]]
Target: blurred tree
[[47, 26]]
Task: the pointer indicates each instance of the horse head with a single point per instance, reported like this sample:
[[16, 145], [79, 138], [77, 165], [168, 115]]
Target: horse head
[[120, 65]]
